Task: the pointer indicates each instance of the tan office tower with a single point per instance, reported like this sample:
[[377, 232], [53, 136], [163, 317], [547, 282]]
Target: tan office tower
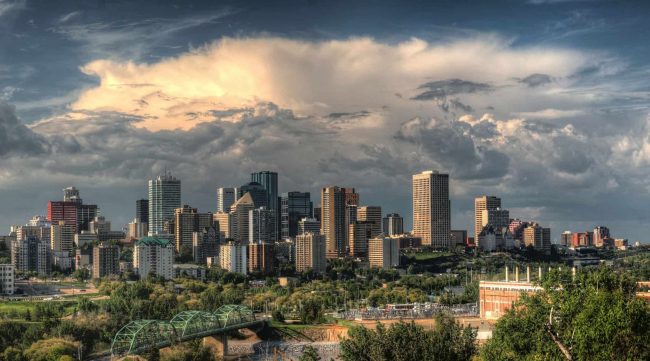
[[310, 252], [481, 204], [224, 220], [261, 258], [188, 220], [431, 209], [383, 252], [360, 232], [239, 219], [538, 237], [371, 214], [333, 221]]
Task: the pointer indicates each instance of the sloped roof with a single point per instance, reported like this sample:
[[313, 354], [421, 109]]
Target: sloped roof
[[153, 241]]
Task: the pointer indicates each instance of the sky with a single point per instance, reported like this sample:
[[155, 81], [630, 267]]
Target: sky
[[543, 103]]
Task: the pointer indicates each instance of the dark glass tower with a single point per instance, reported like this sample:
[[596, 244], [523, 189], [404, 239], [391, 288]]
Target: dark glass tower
[[269, 180], [142, 210], [294, 207]]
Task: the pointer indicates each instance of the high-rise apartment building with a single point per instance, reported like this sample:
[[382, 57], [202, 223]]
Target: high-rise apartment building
[[142, 210], [7, 279], [333, 221], [481, 204], [311, 252], [153, 256], [188, 220], [359, 234], [239, 220], [62, 237], [261, 225], [431, 209], [164, 198], [371, 214], [223, 219], [205, 244], [393, 224], [261, 258], [31, 254], [538, 237], [308, 225], [106, 260], [233, 257], [294, 206], [226, 196], [383, 252]]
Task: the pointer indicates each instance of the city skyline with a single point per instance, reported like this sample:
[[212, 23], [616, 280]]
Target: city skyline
[[548, 110]]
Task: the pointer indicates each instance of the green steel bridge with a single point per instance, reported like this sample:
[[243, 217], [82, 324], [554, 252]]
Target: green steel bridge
[[141, 335]]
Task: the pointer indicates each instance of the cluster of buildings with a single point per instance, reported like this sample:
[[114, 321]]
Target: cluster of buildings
[[495, 230], [599, 238]]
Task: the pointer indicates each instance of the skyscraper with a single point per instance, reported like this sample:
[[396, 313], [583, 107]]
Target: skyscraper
[[371, 214], [239, 218], [359, 233], [62, 237], [431, 209], [294, 206], [142, 210], [383, 252], [187, 221], [308, 225], [393, 224], [481, 204], [261, 257], [164, 198], [600, 234], [260, 225], [225, 198], [269, 180], [31, 254], [333, 221], [538, 237], [58, 211], [258, 194], [233, 257]]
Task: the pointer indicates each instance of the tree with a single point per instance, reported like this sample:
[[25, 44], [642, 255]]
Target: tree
[[448, 341], [278, 316], [309, 353], [594, 317], [51, 349]]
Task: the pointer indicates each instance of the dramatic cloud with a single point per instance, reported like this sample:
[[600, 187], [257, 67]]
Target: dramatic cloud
[[15, 138], [534, 80]]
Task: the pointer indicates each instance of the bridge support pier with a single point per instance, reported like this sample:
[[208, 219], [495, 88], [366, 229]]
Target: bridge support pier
[[217, 343]]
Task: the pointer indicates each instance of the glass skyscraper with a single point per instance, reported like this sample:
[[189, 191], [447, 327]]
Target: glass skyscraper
[[164, 198], [269, 180], [294, 206]]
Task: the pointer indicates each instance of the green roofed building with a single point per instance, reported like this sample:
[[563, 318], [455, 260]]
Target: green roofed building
[[153, 256]]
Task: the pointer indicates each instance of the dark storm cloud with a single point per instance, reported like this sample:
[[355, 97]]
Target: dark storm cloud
[[535, 80], [15, 137], [441, 89]]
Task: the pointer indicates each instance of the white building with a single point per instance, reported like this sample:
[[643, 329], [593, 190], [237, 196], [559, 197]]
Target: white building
[[233, 257], [260, 225], [153, 255], [84, 238], [31, 254], [7, 279], [164, 198]]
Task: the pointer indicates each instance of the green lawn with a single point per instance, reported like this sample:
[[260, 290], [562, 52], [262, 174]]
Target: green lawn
[[20, 307]]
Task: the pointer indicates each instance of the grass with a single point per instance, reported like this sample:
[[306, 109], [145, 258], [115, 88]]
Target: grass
[[21, 307], [426, 256]]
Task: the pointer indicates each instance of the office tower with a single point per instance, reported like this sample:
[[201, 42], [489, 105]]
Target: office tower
[[31, 254], [84, 238], [393, 224], [106, 260], [261, 258], [351, 213], [601, 233], [164, 198], [153, 256], [188, 220], [333, 221], [225, 198], [351, 196], [481, 204], [233, 257], [261, 225], [371, 214], [538, 237], [142, 210], [239, 220], [7, 279], [62, 237], [311, 252], [516, 227], [71, 194], [205, 244], [565, 238], [258, 194], [308, 225], [383, 252], [38, 231], [294, 207], [58, 211], [85, 214], [268, 180], [496, 218], [224, 221], [359, 234], [431, 208], [318, 212], [459, 237]]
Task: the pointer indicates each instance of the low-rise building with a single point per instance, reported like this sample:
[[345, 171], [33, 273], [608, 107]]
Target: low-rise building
[[232, 257], [496, 298], [194, 271]]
